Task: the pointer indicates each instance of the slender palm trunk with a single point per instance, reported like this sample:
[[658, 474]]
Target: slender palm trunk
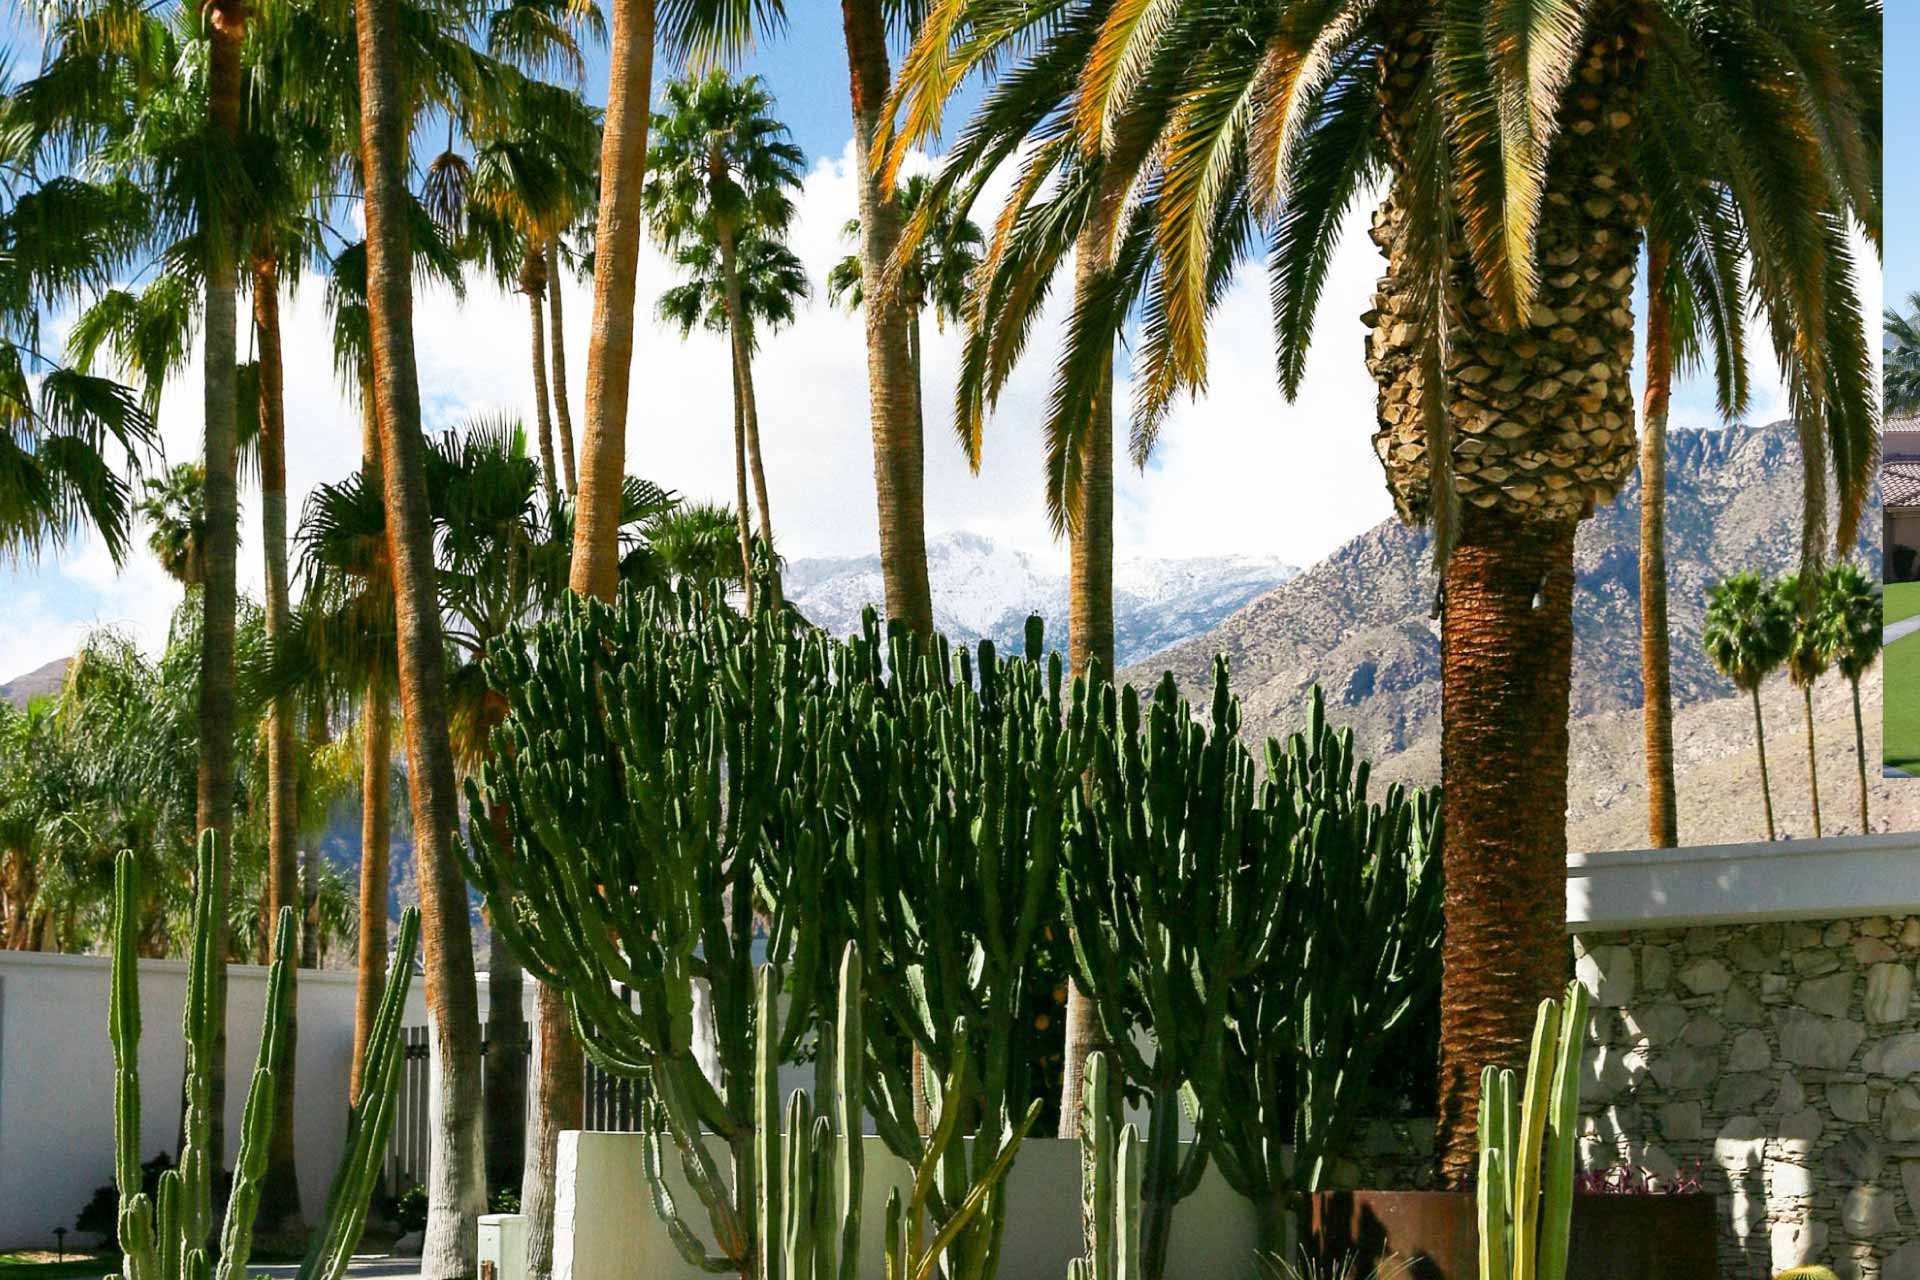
[[319, 734], [376, 818], [280, 1219], [559, 1070], [456, 1179], [1760, 741], [742, 521], [1813, 759], [1860, 752], [1656, 664], [533, 283], [557, 345], [623, 164], [506, 1053], [226, 22], [749, 411], [899, 463]]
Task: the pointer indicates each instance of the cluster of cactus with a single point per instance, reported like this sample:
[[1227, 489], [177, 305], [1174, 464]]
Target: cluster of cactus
[[165, 1237], [1528, 1136], [1109, 1184], [674, 775]]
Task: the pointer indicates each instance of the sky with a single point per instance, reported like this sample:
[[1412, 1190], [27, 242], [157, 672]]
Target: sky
[[1238, 471]]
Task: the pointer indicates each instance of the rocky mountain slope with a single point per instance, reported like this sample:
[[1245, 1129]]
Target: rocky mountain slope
[[984, 590], [42, 681], [1359, 625]]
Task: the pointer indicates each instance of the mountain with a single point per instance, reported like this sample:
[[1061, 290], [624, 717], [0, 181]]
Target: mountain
[[1359, 625], [40, 682], [983, 590]]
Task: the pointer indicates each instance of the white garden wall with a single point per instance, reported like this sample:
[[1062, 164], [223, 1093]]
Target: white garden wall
[[56, 1077]]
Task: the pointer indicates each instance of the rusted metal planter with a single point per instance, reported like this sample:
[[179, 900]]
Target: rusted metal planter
[[1615, 1237]]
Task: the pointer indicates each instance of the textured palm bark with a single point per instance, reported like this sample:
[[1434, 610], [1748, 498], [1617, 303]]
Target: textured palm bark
[[376, 817], [557, 346], [1813, 757], [280, 1221], [1541, 430], [742, 521], [533, 283], [1656, 664], [1860, 752], [226, 24], [559, 1069], [899, 461], [456, 1186], [506, 1057], [1760, 742], [623, 164], [748, 413]]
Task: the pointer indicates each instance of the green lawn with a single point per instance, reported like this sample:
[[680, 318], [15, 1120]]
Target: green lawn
[[1902, 601], [1900, 721], [15, 1266]]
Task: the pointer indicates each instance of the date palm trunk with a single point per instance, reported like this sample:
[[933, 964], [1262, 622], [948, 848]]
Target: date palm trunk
[[456, 1178], [1656, 662], [226, 22], [533, 283], [899, 463], [749, 411], [376, 818], [1760, 744], [623, 162], [557, 346], [1540, 419], [280, 1221]]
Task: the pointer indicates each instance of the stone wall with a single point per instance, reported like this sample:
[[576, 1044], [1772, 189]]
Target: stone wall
[[1781, 1061]]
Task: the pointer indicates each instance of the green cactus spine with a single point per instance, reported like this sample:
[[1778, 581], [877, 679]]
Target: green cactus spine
[[1110, 1184], [1528, 1135], [165, 1238]]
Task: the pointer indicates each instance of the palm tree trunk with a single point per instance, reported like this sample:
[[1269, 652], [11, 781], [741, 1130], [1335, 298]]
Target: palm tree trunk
[[376, 819], [1760, 741], [559, 1069], [280, 1219], [1860, 752], [1813, 759], [226, 23], [456, 1192], [506, 1058], [557, 345], [1506, 672], [898, 448], [533, 283], [742, 521], [1656, 664], [749, 411], [623, 164]]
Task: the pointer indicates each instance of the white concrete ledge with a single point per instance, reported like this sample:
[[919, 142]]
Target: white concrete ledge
[[1836, 878]]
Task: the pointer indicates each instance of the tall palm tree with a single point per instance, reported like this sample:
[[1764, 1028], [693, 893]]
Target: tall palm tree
[[1523, 149], [700, 31], [722, 170], [456, 1193], [1747, 634], [1900, 370], [1853, 607], [770, 281], [175, 511], [937, 273], [1810, 650]]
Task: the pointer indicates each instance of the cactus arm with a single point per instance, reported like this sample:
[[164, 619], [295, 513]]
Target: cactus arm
[[1533, 1127], [849, 1094], [197, 1024], [1563, 1125], [139, 1247], [767, 1146], [1127, 1241], [256, 1118], [653, 1167], [984, 1187], [796, 1244], [1494, 1223]]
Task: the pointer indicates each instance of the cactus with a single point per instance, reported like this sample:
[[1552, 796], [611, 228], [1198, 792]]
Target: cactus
[[1528, 1136], [166, 1238], [1109, 1185]]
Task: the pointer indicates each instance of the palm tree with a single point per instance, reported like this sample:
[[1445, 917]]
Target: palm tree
[[1524, 149], [456, 1192], [176, 514], [938, 273], [1747, 635], [1809, 654], [722, 169], [1900, 370], [770, 281], [700, 31], [1853, 607]]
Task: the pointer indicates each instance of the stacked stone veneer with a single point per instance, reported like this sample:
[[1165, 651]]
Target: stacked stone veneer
[[1780, 1060]]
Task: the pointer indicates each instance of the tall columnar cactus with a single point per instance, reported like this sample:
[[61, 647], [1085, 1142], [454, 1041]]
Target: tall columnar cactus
[[166, 1237], [1109, 1185], [1528, 1138]]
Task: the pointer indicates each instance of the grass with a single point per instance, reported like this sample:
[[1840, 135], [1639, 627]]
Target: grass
[[1900, 717], [1902, 601], [38, 1265]]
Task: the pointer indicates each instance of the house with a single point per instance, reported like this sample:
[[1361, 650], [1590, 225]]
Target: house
[[1900, 498]]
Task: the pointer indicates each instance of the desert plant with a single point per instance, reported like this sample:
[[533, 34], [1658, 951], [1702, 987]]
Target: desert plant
[[1109, 1184], [164, 1235], [1529, 1131]]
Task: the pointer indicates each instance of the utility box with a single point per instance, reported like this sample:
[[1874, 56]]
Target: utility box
[[503, 1246]]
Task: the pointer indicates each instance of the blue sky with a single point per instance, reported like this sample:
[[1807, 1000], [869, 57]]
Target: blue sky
[[1240, 471], [1903, 176]]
